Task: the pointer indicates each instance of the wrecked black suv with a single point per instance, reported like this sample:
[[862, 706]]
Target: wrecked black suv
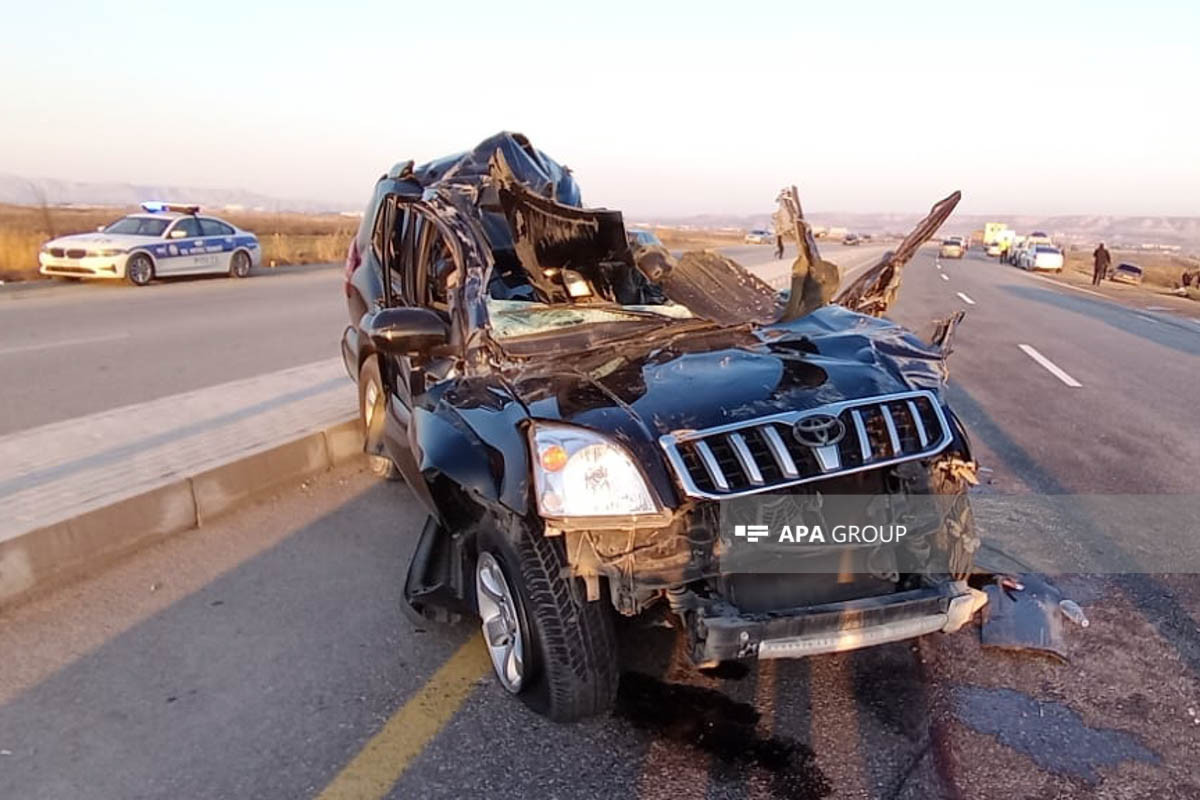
[[579, 418]]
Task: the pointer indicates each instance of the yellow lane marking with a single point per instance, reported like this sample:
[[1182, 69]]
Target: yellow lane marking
[[374, 771]]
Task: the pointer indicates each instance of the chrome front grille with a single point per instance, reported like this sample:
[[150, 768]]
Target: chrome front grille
[[763, 454]]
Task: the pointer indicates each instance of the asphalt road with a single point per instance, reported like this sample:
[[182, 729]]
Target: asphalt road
[[83, 348], [265, 656]]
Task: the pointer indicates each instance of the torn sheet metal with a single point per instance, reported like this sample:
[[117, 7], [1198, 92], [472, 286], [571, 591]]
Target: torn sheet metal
[[552, 238], [654, 261], [1026, 619], [875, 290], [814, 280], [716, 287]]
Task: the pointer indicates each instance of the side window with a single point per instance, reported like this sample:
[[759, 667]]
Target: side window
[[186, 228], [435, 271], [392, 242], [377, 229], [214, 227]]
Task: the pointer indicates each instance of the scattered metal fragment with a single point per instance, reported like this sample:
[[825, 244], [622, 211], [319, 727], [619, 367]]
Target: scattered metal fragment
[[875, 290], [1026, 619], [943, 332]]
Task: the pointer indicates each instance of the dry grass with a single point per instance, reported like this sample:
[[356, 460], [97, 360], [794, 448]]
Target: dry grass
[[1159, 269], [675, 238], [285, 238]]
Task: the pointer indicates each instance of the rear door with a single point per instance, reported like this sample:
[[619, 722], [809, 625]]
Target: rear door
[[217, 248]]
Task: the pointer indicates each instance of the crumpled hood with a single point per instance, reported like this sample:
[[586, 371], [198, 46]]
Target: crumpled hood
[[638, 392], [98, 240]]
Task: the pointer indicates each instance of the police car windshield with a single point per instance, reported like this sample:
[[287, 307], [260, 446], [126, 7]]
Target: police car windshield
[[138, 226]]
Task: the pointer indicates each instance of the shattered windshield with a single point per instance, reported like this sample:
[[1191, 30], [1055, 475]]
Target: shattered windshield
[[511, 319]]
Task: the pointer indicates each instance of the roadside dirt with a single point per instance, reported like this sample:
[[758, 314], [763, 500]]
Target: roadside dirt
[[1122, 719]]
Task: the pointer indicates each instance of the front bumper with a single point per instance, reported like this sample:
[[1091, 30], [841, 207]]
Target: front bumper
[[86, 267], [835, 627]]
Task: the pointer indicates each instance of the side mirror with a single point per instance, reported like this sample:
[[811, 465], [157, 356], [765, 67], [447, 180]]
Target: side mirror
[[405, 331], [99, 229]]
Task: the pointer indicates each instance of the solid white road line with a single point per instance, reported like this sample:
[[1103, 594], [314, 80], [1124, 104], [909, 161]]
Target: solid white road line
[[25, 348], [1050, 366], [945, 277], [966, 299]]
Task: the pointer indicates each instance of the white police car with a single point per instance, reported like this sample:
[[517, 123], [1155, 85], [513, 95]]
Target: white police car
[[168, 239]]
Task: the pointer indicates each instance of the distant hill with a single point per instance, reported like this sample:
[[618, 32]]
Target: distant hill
[[1081, 228], [35, 191]]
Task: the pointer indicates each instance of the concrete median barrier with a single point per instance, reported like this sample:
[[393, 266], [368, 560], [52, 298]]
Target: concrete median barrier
[[72, 547], [78, 495]]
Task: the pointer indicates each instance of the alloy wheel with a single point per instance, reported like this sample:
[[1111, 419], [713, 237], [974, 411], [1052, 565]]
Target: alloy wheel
[[500, 622]]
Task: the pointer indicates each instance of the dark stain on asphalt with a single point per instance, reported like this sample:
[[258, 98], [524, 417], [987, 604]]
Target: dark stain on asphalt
[[1050, 733], [713, 723]]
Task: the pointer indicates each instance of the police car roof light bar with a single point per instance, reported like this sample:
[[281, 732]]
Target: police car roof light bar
[[158, 207]]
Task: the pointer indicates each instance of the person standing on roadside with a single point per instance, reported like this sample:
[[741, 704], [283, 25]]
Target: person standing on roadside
[[1100, 261], [778, 246]]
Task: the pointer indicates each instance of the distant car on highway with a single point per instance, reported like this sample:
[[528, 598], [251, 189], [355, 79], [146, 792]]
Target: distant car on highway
[[640, 237], [1041, 256], [759, 236], [952, 248], [167, 239], [1127, 273], [851, 239], [994, 249]]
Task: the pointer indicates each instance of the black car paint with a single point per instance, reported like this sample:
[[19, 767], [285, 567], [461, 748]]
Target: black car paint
[[470, 432]]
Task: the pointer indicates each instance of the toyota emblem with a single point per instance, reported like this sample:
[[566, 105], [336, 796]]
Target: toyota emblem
[[818, 430]]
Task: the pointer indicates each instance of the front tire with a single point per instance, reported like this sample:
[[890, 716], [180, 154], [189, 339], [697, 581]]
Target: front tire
[[550, 646], [372, 410], [139, 269], [239, 265]]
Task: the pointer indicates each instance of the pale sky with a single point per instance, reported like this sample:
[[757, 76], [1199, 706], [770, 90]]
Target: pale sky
[[661, 109]]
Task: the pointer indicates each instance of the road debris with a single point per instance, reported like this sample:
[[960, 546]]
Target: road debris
[[1073, 612], [1025, 618]]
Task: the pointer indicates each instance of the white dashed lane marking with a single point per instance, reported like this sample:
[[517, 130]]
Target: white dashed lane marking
[[944, 277], [966, 299], [1050, 366]]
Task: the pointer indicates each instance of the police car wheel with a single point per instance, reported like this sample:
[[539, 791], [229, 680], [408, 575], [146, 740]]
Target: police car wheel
[[139, 270], [239, 267]]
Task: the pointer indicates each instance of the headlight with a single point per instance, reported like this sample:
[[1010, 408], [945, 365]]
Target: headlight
[[577, 473], [105, 253]]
